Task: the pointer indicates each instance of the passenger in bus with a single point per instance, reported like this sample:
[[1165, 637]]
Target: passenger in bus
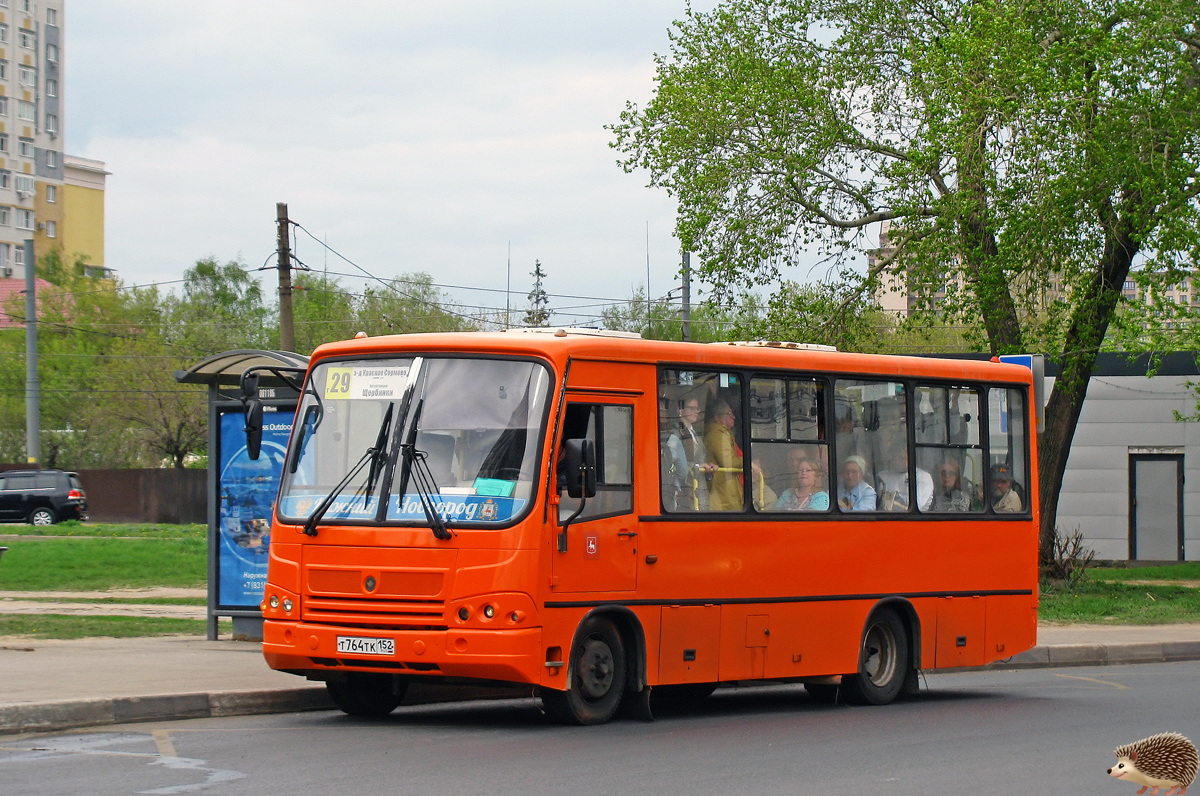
[[893, 479], [952, 494], [688, 457], [725, 490], [807, 494], [854, 493], [1004, 496]]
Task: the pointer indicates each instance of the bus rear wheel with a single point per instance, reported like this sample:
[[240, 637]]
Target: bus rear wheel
[[883, 662], [596, 677], [367, 694]]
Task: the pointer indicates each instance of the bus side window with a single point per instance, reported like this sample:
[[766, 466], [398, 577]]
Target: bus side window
[[610, 428], [872, 448], [949, 446], [1007, 447]]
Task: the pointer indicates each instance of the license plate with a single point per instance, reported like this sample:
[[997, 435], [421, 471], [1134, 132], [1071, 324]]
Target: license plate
[[366, 646]]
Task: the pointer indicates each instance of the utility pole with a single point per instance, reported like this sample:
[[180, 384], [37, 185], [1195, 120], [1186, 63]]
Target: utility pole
[[687, 296], [287, 332], [33, 388]]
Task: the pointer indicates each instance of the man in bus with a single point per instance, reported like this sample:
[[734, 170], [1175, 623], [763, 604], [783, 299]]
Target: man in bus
[[725, 492], [689, 461], [893, 479], [1005, 498]]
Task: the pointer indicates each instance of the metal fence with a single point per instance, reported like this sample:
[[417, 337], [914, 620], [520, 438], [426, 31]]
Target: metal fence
[[166, 496]]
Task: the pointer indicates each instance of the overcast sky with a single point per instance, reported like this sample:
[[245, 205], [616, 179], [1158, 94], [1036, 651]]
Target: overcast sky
[[413, 136]]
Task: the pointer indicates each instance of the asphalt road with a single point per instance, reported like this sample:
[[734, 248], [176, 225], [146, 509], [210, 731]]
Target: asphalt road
[[1032, 731]]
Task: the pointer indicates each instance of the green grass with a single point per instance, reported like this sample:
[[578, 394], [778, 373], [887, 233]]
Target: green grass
[[104, 529], [60, 626], [120, 600], [87, 564], [1187, 571], [1102, 602]]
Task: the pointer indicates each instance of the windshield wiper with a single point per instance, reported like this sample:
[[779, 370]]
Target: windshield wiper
[[374, 455], [415, 467]]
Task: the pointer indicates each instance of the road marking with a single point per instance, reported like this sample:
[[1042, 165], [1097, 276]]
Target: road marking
[[162, 742], [1094, 680]]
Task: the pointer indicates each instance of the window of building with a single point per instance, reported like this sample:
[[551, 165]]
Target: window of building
[[25, 147], [51, 16], [25, 184], [3, 69], [27, 75], [3, 257], [26, 111], [28, 40], [51, 159], [3, 106], [25, 5], [3, 34], [949, 446], [51, 193], [3, 142], [5, 179], [610, 428], [5, 216], [51, 122], [51, 229], [52, 53], [18, 255], [51, 87], [24, 219], [3, 3]]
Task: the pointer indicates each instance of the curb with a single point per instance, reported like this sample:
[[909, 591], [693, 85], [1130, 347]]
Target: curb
[[76, 713], [72, 714]]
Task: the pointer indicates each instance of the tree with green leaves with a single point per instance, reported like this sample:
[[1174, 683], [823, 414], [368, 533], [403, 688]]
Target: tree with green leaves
[[538, 313], [1030, 150]]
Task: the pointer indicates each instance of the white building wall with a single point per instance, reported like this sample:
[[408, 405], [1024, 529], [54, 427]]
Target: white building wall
[[1124, 415]]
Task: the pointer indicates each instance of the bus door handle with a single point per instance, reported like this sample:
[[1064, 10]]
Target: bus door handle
[[630, 534]]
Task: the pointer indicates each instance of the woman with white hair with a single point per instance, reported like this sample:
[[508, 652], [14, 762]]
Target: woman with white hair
[[854, 493]]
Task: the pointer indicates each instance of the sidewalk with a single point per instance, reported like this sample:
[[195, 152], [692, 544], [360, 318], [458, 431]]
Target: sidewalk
[[56, 685]]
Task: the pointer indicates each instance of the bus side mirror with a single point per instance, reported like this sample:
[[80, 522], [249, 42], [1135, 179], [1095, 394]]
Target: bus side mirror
[[254, 413], [581, 468]]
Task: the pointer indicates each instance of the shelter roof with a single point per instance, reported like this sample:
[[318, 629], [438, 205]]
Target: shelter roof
[[229, 365]]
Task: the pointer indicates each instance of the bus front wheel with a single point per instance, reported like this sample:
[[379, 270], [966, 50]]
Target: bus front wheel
[[367, 694], [596, 677], [883, 662]]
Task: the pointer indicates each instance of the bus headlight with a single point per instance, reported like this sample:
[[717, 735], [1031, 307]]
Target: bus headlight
[[287, 605], [274, 601], [489, 611]]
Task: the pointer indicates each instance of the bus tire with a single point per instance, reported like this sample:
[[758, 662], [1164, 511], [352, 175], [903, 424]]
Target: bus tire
[[367, 694], [596, 676], [883, 662]]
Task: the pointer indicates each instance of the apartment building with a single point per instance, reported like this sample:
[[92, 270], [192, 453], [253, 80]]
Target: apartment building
[[31, 140]]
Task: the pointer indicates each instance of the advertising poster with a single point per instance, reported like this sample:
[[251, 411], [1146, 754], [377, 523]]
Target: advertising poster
[[247, 491]]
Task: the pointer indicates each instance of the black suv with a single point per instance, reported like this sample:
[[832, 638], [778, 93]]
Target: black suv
[[41, 497]]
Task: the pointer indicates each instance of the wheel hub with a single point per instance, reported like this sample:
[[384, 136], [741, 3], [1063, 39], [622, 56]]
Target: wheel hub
[[879, 655], [596, 669]]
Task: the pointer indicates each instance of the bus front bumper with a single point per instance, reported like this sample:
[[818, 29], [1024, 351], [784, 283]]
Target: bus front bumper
[[312, 649]]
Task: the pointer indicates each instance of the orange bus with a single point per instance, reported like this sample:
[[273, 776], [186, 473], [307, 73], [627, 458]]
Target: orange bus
[[598, 516]]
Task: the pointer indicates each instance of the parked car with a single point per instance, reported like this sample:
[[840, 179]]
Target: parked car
[[41, 497]]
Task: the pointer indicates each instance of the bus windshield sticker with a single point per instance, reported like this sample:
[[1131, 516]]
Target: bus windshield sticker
[[494, 487], [451, 508], [365, 383]]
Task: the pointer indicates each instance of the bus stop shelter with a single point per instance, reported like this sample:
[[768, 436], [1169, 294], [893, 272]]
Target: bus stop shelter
[[241, 491]]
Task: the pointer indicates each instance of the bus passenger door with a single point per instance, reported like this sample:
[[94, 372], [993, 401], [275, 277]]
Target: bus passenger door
[[601, 543]]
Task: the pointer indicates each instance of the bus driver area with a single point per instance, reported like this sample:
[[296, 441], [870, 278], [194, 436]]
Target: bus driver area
[[597, 515]]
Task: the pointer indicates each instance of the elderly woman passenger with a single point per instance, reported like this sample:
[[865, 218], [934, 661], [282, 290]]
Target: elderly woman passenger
[[854, 493]]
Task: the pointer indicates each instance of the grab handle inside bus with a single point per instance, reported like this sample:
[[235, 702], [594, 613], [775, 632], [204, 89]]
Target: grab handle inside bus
[[254, 413]]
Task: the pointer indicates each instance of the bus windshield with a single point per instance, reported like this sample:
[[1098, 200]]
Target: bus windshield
[[475, 423]]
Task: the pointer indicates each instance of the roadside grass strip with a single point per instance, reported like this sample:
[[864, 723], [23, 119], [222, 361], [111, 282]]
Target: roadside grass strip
[[113, 600], [1114, 603], [60, 626], [58, 564], [1186, 571], [109, 530]]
